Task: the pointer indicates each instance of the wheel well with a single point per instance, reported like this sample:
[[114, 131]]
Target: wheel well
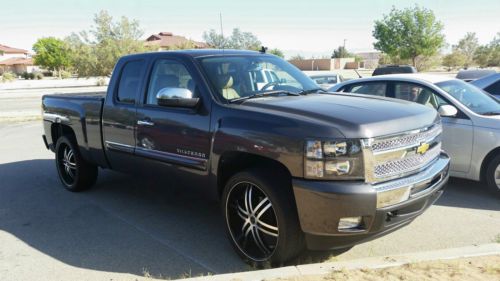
[[58, 130], [487, 160], [231, 163]]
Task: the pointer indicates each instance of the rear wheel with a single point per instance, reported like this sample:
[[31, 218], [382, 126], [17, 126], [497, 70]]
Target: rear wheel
[[493, 175], [261, 218], [75, 173]]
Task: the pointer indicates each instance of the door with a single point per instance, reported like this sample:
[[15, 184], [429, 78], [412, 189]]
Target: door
[[173, 136], [458, 131], [119, 115]]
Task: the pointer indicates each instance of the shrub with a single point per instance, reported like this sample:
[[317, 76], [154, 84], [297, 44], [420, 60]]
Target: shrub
[[66, 74], [8, 76], [37, 75], [28, 75], [1, 71], [101, 82]]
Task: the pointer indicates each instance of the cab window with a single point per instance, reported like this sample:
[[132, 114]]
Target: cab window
[[373, 88], [168, 74]]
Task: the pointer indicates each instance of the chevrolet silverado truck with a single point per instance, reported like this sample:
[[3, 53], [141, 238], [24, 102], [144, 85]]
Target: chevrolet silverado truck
[[293, 167]]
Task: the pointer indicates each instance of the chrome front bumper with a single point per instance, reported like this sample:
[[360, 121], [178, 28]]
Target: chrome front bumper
[[400, 190]]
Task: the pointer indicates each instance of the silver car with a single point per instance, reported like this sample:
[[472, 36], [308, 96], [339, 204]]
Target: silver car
[[471, 118]]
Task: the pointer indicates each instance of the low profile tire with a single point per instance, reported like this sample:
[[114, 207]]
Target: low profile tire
[[261, 218], [493, 175], [75, 173]]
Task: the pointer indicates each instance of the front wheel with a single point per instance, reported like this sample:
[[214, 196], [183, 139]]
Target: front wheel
[[261, 218], [75, 173], [493, 175]]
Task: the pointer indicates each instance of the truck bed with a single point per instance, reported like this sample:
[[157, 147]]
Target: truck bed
[[86, 95], [82, 112]]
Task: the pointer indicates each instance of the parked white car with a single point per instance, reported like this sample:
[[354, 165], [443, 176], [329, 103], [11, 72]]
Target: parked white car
[[470, 117], [325, 81]]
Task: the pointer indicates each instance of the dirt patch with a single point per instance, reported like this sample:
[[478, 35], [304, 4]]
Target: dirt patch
[[485, 268]]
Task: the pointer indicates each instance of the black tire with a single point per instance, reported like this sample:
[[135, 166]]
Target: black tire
[[270, 217], [493, 175], [75, 173]]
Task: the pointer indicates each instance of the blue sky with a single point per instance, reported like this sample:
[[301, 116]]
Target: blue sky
[[311, 27]]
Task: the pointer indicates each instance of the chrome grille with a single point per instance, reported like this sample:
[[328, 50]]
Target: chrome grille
[[407, 139], [407, 164], [401, 155]]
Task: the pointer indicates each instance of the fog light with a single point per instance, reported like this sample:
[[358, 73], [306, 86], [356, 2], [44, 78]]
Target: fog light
[[349, 223]]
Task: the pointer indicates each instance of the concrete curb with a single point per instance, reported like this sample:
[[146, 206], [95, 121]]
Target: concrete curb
[[369, 263]]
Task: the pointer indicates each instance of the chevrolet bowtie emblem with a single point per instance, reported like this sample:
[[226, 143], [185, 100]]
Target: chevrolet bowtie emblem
[[423, 148]]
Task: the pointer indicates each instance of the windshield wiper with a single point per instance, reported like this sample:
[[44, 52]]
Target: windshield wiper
[[315, 90], [491, 113], [265, 94]]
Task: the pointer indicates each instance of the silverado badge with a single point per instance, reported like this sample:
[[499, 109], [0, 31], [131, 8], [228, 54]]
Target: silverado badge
[[423, 148]]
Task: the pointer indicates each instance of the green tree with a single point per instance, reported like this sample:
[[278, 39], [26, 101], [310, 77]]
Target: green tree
[[409, 33], [297, 57], [243, 40], [96, 51], [277, 52], [489, 55], [214, 39], [238, 40], [467, 46], [454, 60], [51, 53], [341, 52]]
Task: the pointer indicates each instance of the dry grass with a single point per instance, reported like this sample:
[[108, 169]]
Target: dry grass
[[486, 268]]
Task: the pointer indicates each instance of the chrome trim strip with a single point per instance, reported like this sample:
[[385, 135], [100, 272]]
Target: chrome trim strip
[[190, 161], [119, 147], [54, 117]]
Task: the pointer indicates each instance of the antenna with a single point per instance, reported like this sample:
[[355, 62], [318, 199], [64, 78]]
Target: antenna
[[221, 31]]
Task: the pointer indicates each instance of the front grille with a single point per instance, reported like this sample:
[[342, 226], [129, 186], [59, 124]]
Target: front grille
[[407, 139], [406, 164], [400, 155]]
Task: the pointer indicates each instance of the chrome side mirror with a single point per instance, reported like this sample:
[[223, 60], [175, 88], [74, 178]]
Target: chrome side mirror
[[447, 110], [176, 97]]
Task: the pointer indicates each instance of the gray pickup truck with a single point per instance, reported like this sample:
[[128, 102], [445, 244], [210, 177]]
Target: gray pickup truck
[[293, 167]]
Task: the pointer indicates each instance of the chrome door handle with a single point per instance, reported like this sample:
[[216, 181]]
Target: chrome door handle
[[145, 123]]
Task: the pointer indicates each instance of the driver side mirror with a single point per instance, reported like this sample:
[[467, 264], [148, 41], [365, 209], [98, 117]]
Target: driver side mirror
[[447, 110], [176, 97]]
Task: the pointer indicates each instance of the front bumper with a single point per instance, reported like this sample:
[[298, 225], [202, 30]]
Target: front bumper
[[321, 205]]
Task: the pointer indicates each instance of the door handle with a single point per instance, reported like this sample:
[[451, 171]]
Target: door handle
[[145, 123]]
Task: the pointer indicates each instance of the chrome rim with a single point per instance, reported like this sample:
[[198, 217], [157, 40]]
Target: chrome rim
[[252, 221], [67, 164], [497, 176]]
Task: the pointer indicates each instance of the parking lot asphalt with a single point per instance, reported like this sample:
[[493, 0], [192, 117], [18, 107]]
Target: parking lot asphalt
[[126, 228]]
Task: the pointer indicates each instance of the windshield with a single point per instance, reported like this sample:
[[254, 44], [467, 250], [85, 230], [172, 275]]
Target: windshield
[[471, 96], [236, 77]]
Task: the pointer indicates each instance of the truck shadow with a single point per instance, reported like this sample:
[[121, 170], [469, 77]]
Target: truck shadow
[[469, 194], [124, 224], [140, 226]]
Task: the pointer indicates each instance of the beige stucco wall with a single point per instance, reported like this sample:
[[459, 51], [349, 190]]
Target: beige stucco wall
[[321, 64]]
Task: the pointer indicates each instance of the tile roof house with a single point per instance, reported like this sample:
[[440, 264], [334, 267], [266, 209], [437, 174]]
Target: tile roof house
[[168, 41], [15, 60]]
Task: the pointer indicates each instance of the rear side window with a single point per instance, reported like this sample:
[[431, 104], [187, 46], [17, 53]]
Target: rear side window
[[130, 81], [494, 88], [374, 89]]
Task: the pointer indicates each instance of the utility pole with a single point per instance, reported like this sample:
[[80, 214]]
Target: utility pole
[[344, 43]]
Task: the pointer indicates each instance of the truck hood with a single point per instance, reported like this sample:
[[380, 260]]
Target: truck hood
[[355, 116]]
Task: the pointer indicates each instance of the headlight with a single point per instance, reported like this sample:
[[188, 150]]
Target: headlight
[[340, 159]]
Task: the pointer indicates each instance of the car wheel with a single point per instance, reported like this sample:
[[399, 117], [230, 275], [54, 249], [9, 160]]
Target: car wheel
[[261, 218], [75, 173], [493, 175]]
